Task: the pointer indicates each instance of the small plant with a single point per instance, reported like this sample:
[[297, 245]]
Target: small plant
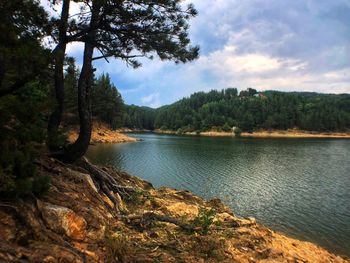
[[203, 221], [140, 196]]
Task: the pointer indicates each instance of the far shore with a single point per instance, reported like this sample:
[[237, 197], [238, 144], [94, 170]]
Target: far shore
[[292, 133]]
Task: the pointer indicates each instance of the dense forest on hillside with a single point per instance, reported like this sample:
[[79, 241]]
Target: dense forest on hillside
[[107, 105], [249, 110]]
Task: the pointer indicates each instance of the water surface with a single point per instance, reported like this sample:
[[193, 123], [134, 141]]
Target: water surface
[[297, 186]]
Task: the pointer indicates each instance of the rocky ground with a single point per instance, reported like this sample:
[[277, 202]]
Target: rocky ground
[[79, 220]]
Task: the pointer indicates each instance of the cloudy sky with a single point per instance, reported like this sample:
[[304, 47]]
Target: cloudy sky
[[299, 45]]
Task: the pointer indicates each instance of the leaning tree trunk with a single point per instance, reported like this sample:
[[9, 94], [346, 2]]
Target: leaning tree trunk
[[59, 53], [80, 146]]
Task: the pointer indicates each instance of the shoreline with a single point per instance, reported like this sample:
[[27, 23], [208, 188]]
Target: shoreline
[[101, 134], [266, 134], [163, 224]]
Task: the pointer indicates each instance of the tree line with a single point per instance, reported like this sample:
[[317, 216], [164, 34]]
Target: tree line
[[251, 110]]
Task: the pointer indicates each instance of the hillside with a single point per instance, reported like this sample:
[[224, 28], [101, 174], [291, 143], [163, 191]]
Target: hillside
[[249, 110], [78, 221]]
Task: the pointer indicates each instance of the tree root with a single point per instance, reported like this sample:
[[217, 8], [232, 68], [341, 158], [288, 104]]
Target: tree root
[[147, 218], [105, 182]]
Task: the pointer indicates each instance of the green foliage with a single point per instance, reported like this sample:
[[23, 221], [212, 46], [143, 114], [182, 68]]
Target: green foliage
[[220, 110], [24, 96], [107, 103], [17, 173], [139, 197], [226, 128], [40, 185], [203, 220], [139, 117], [237, 131], [23, 24]]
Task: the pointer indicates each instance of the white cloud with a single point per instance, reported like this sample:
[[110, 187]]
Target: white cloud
[[152, 100]]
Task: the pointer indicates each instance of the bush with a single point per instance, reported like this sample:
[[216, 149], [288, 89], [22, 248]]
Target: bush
[[18, 177], [180, 131], [226, 128], [237, 132], [203, 220]]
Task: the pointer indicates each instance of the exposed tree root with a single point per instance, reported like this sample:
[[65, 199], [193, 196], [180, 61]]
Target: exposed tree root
[[147, 218], [105, 182]]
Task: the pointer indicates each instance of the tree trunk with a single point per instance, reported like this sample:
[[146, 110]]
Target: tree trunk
[[59, 54], [80, 146]]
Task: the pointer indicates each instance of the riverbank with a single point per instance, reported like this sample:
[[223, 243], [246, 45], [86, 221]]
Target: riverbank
[[127, 220], [102, 134], [291, 133]]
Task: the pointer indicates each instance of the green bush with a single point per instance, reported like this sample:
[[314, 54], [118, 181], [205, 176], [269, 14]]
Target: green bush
[[226, 128], [203, 220], [237, 132], [18, 177]]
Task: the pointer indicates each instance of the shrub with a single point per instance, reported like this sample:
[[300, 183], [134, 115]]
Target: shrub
[[237, 132], [139, 197], [226, 128], [203, 220], [18, 177]]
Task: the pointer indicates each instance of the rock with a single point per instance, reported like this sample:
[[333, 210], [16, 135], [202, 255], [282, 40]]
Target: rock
[[64, 220], [252, 220], [218, 205], [249, 221], [7, 227]]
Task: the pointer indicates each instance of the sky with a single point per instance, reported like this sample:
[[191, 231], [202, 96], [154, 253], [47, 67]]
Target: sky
[[299, 45]]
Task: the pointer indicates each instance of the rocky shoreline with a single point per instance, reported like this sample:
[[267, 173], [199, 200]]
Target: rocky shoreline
[[77, 221]]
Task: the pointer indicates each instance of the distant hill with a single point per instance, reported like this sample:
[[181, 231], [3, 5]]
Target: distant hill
[[249, 110]]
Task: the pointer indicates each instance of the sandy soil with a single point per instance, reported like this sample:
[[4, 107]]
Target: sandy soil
[[101, 134]]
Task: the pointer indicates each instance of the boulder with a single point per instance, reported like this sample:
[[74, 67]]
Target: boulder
[[64, 220]]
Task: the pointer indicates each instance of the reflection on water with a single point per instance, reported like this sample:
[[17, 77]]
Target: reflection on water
[[297, 186]]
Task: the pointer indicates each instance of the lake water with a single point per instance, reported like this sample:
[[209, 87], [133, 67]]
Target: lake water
[[297, 186]]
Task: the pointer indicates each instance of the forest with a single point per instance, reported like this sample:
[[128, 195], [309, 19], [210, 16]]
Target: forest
[[249, 110]]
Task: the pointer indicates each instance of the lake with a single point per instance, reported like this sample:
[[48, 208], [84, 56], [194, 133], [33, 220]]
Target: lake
[[300, 187]]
